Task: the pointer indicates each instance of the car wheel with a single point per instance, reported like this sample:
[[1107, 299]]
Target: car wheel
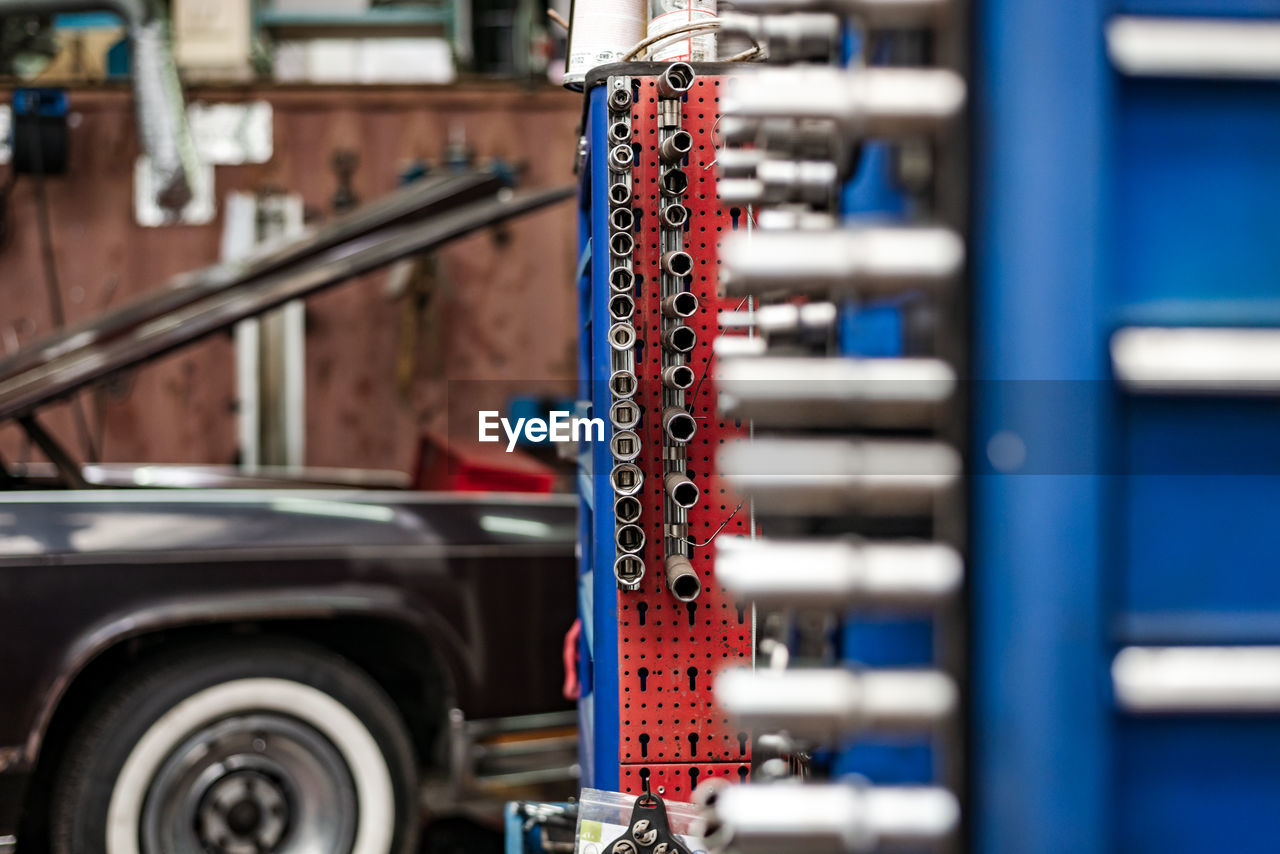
[[240, 748]]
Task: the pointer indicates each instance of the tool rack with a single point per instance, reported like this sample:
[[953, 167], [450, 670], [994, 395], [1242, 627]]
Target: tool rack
[[653, 503]]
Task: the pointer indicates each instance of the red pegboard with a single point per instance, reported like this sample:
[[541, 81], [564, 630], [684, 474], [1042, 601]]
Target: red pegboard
[[676, 782], [669, 652]]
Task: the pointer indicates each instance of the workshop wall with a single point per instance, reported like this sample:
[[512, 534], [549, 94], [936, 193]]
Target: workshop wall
[[501, 310]]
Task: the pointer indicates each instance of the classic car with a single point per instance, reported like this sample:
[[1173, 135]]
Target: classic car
[[195, 660]]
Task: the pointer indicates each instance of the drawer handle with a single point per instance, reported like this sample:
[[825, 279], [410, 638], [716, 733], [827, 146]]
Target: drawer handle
[[1197, 679], [1160, 360], [1194, 47]]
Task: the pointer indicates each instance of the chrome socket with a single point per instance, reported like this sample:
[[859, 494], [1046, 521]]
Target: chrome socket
[[675, 80], [622, 384], [627, 509], [677, 263], [622, 336], [629, 538], [823, 477], [620, 132], [674, 215], [628, 569], [620, 99], [622, 219], [682, 491], [621, 243], [682, 580], [875, 260], [824, 705], [683, 304], [838, 575], [624, 414], [626, 479], [678, 425], [620, 192], [678, 377], [621, 158], [625, 445], [673, 182], [621, 279], [674, 148], [679, 339], [621, 308]]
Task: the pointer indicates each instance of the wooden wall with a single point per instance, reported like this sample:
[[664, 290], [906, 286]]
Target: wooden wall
[[503, 313]]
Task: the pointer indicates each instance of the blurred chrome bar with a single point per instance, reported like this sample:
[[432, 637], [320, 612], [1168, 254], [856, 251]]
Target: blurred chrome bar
[[793, 477], [1195, 47], [827, 818], [791, 37], [1197, 680], [826, 705], [783, 319], [876, 13], [839, 574], [822, 392], [872, 260], [1191, 361], [866, 102]]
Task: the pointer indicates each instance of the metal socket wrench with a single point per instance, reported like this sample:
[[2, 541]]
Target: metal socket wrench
[[825, 705], [877, 14], [624, 414], [628, 569], [868, 102], [622, 219], [620, 133], [622, 279], [627, 509], [674, 148], [678, 425], [675, 80], [626, 479], [625, 445], [620, 99], [680, 489], [620, 192], [872, 260], [674, 215], [679, 339], [838, 575], [677, 262], [621, 307], [622, 336], [622, 384], [815, 477], [629, 538], [683, 304], [827, 818], [793, 37], [621, 243], [673, 182], [814, 392], [682, 580], [677, 377], [621, 158]]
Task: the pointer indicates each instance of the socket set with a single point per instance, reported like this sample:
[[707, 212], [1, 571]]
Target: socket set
[[850, 468], [655, 307]]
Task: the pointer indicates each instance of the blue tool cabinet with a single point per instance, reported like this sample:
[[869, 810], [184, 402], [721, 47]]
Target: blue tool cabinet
[[1103, 517]]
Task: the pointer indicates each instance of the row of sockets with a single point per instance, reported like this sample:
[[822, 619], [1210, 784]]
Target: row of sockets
[[677, 339], [791, 138]]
